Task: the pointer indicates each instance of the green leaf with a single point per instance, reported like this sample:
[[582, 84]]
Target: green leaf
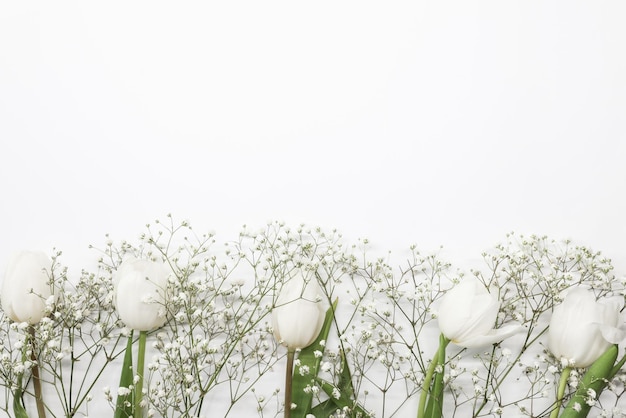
[[340, 402], [18, 409], [124, 404], [345, 389], [596, 379], [344, 400], [345, 379], [324, 409], [307, 357]]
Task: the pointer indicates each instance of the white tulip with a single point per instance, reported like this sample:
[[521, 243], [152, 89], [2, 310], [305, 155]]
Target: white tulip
[[582, 329], [298, 315], [26, 287], [140, 287], [467, 315]]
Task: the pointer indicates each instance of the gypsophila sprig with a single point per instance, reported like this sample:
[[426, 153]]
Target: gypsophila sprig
[[212, 351], [530, 275]]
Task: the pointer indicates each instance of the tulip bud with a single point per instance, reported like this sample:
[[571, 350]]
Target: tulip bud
[[140, 287], [26, 287], [582, 329], [298, 315], [468, 313]]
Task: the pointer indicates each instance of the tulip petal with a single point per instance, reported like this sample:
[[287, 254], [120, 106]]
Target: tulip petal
[[294, 325], [456, 309], [482, 318], [140, 294], [468, 313], [582, 329], [492, 337], [26, 287], [612, 334], [298, 316]]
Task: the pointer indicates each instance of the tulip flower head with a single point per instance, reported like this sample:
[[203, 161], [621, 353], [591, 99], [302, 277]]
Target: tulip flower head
[[582, 329], [467, 315], [298, 315], [26, 287], [140, 287]]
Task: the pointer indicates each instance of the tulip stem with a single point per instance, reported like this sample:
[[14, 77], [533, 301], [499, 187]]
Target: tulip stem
[[41, 408], [437, 359], [426, 385], [560, 392], [141, 355], [291, 353]]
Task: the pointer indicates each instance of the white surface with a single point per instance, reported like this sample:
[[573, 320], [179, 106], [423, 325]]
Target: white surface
[[446, 123], [442, 123]]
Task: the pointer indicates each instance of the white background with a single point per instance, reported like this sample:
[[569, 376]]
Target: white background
[[436, 123]]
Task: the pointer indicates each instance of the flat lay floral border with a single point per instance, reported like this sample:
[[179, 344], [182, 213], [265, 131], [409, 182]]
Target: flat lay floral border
[[296, 316]]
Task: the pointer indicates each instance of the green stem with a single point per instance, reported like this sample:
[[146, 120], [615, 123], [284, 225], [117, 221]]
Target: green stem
[[436, 394], [141, 355], [560, 392], [421, 409], [291, 353], [41, 408]]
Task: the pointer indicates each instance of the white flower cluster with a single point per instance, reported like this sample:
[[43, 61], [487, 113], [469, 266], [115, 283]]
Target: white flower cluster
[[215, 338]]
